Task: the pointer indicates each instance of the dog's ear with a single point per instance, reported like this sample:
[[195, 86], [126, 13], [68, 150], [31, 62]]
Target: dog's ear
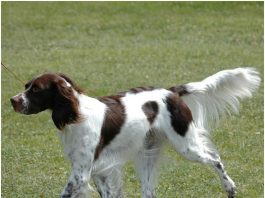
[[64, 89], [66, 105], [71, 82]]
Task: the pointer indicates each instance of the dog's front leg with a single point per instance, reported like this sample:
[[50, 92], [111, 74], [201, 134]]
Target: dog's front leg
[[77, 185]]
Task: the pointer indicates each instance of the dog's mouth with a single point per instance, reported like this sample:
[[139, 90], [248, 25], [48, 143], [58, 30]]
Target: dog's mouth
[[19, 108]]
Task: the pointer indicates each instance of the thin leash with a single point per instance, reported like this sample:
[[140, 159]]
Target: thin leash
[[14, 75]]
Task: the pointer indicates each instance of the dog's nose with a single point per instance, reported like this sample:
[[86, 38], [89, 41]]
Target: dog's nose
[[14, 100]]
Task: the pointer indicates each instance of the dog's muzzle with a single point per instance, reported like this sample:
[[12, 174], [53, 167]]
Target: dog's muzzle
[[19, 104]]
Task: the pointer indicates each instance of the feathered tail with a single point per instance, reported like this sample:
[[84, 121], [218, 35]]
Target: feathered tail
[[219, 94]]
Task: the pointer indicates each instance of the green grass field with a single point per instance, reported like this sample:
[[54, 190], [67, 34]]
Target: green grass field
[[110, 47]]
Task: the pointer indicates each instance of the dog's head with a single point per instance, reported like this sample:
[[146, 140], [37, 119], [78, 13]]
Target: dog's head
[[51, 91]]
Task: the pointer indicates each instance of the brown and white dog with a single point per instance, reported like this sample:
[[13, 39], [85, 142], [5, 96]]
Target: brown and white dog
[[100, 134]]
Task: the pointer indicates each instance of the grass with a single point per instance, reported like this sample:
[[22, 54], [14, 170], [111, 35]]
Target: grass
[[112, 46]]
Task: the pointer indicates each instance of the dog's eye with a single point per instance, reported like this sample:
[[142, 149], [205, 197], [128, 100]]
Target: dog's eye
[[35, 89]]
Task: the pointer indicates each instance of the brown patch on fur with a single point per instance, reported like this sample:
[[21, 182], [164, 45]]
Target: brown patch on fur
[[150, 109], [141, 89], [179, 112], [180, 90], [78, 89], [136, 90], [114, 119], [66, 106]]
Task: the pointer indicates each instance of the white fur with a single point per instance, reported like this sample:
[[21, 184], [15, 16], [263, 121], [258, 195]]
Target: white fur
[[25, 102], [219, 94], [208, 99]]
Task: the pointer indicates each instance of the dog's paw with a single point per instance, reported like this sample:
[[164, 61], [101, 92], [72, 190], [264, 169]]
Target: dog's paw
[[68, 191]]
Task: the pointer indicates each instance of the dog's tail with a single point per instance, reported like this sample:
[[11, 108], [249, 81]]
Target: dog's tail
[[218, 94]]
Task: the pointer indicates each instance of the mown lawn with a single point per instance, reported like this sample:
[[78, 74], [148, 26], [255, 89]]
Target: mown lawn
[[110, 47]]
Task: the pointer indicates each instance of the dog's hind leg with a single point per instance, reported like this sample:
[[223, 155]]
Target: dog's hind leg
[[146, 164], [109, 182], [195, 146]]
